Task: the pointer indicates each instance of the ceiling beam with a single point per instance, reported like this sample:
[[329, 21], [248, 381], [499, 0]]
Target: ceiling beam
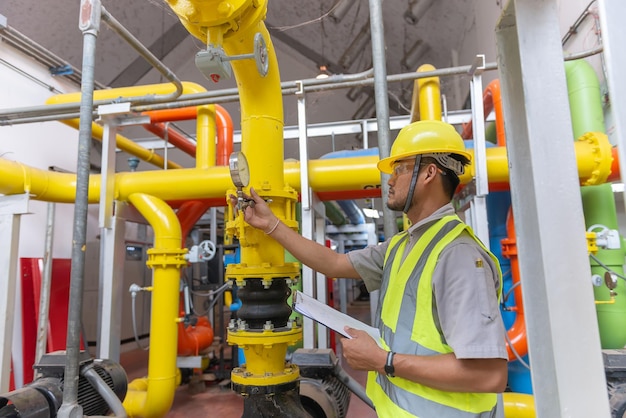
[[163, 45]]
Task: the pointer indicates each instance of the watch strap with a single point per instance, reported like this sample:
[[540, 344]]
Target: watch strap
[[389, 369]]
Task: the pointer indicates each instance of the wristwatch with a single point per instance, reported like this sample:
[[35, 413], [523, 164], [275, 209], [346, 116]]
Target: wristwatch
[[389, 369]]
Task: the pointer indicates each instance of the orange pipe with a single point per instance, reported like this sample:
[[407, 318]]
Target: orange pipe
[[224, 124], [172, 115], [193, 339], [492, 100], [517, 332]]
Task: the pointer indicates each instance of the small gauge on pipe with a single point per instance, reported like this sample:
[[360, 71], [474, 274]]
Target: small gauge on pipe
[[240, 175]]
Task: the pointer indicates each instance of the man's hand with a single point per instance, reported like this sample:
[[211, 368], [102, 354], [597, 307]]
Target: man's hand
[[362, 352], [258, 215]]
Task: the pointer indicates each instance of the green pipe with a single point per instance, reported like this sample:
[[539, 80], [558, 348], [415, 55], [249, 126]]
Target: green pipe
[[585, 98], [599, 208], [598, 201]]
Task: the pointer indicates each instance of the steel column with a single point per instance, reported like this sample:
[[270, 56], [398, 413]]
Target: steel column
[[568, 375], [478, 204], [11, 209], [110, 287], [612, 14]]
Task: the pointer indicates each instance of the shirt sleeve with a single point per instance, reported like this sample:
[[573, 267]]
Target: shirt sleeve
[[465, 283], [368, 262]]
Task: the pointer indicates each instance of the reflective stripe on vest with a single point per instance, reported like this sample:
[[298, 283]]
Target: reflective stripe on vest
[[407, 289]]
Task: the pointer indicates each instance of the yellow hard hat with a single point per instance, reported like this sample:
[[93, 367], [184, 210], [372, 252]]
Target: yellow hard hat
[[424, 137]]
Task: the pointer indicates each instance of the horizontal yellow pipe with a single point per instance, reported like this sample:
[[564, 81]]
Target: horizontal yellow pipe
[[518, 405], [325, 175], [134, 91], [123, 143], [153, 397]]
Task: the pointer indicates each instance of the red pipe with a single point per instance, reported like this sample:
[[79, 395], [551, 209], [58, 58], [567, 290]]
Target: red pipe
[[173, 137], [172, 115], [492, 99], [193, 339], [517, 332]]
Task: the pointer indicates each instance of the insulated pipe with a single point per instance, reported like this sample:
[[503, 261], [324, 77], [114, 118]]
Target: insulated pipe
[[426, 96], [492, 100], [517, 344], [358, 174], [153, 396]]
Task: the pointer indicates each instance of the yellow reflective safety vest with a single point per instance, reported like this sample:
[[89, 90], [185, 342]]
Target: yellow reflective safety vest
[[407, 326]]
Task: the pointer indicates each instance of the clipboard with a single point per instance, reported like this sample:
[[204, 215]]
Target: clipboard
[[330, 317]]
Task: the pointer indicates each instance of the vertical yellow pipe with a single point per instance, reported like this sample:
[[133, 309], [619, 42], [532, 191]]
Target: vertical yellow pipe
[[426, 97], [153, 396], [205, 137], [262, 137]]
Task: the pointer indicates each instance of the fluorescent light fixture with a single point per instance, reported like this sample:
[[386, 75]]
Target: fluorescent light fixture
[[371, 213]]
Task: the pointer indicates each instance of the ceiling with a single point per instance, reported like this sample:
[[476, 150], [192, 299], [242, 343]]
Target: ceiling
[[304, 33]]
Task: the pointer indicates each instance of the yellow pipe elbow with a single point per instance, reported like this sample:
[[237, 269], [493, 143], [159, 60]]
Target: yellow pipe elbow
[[426, 96], [153, 396], [518, 405]]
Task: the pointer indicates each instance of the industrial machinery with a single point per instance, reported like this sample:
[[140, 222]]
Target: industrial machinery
[[102, 386]]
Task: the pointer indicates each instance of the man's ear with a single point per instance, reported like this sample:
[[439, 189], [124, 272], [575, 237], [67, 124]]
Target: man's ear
[[431, 172]]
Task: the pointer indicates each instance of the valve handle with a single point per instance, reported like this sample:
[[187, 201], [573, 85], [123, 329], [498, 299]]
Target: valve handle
[[208, 250]]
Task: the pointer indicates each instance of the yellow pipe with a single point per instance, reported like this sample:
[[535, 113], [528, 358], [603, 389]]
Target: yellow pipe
[[233, 25], [153, 396], [121, 141], [205, 137], [326, 175], [426, 97], [125, 144], [518, 405]]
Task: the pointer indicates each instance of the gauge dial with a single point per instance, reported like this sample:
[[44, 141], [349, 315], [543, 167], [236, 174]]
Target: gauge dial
[[239, 170]]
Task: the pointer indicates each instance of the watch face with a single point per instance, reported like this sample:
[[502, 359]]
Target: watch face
[[239, 171]]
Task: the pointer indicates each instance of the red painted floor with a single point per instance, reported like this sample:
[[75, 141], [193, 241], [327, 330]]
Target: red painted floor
[[219, 400]]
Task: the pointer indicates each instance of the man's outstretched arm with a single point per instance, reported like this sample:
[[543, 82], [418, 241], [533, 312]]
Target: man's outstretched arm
[[311, 253]]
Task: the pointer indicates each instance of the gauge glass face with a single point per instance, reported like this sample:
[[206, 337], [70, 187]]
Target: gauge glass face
[[239, 170]]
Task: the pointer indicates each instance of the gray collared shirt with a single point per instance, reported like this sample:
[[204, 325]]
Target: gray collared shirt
[[465, 295]]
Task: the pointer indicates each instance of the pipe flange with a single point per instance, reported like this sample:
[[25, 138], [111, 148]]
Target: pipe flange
[[602, 157]]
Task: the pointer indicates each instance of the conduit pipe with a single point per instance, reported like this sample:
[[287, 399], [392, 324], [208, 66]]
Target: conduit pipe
[[126, 93], [492, 100], [517, 344], [153, 396], [352, 177]]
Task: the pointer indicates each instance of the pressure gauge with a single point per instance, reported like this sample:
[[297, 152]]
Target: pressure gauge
[[239, 170]]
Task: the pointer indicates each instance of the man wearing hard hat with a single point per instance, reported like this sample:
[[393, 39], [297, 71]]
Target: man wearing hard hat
[[443, 338]]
